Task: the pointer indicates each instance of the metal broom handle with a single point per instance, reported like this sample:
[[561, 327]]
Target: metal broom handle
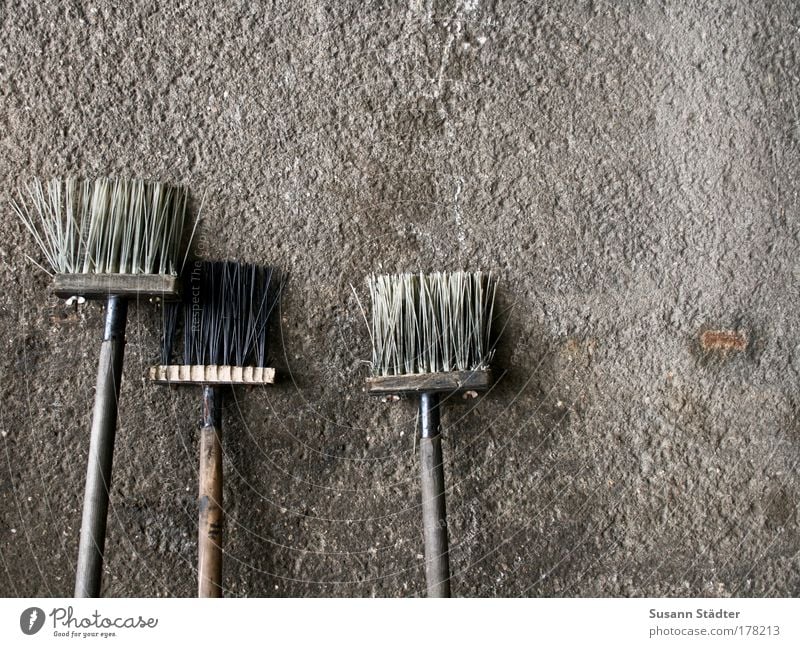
[[434, 516], [101, 451]]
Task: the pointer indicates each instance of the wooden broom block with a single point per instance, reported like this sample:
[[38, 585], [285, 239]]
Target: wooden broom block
[[452, 382], [212, 375], [100, 286]]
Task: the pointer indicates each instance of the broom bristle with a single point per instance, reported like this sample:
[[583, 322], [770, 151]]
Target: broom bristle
[[105, 226], [431, 323], [226, 311]]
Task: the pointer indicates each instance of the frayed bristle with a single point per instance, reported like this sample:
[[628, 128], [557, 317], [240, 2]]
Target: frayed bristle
[[431, 323], [105, 226], [169, 330], [226, 312]]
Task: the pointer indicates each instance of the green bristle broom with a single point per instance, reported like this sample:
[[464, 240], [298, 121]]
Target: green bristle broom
[[431, 334]]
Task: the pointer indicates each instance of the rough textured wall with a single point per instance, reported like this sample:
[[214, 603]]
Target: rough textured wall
[[629, 170]]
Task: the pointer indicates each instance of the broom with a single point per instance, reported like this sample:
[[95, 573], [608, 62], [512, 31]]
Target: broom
[[115, 240], [431, 335], [226, 310]]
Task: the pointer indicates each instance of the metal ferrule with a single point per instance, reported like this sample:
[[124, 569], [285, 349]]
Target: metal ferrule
[[212, 406], [116, 317]]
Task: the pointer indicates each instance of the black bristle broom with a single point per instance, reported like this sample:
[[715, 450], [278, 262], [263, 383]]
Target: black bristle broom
[[226, 310], [431, 335], [114, 240]]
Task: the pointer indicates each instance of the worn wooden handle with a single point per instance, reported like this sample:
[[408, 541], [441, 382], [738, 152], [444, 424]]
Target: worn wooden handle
[[434, 514], [91, 548], [209, 540], [434, 518]]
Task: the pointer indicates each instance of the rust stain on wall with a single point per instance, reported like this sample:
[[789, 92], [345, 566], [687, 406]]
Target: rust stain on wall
[[723, 341]]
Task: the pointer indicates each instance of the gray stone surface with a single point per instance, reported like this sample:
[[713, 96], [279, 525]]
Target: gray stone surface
[[629, 170]]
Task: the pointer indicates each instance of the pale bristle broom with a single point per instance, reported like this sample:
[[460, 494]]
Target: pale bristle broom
[[226, 310], [431, 335], [112, 239]]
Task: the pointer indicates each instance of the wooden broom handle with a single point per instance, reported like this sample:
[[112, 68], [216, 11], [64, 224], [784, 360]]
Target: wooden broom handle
[[91, 548], [209, 540]]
